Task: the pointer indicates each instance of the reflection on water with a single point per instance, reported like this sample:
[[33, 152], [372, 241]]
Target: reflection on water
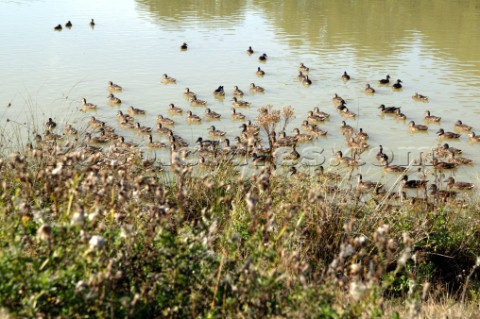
[[431, 46]]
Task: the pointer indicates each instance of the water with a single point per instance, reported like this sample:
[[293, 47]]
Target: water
[[432, 47]]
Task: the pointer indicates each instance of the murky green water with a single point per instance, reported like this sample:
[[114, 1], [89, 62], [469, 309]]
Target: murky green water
[[431, 46]]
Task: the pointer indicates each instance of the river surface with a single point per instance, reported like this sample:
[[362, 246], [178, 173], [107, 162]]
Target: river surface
[[432, 46]]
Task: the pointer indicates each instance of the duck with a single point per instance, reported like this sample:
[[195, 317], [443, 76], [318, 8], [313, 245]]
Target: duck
[[184, 46], [260, 72], [293, 155], [417, 127], [135, 111], [337, 99], [167, 79], [346, 160], [458, 185], [316, 131], [282, 140], [412, 183], [445, 149], [302, 68], [419, 97], [356, 144], [362, 135], [236, 115], [205, 144], [114, 87], [256, 89], [188, 94], [127, 125], [381, 156], [58, 28], [345, 112], [447, 135], [316, 111], [397, 85], [393, 168], [459, 160], [250, 127], [443, 165], [112, 99], [346, 129], [212, 131], [240, 103], [95, 123], [300, 76], [473, 138], [368, 89], [385, 81], [250, 51], [142, 129], [306, 81], [259, 160], [123, 144], [70, 130], [367, 185], [163, 130], [68, 24], [109, 135], [219, 91], [193, 117], [50, 125], [431, 118], [165, 120], [175, 109], [399, 115], [301, 137], [209, 114], [155, 145], [92, 23], [177, 140], [388, 109], [306, 126], [95, 140], [441, 194], [314, 118], [194, 101], [88, 106], [345, 76], [459, 126], [237, 92], [263, 57]]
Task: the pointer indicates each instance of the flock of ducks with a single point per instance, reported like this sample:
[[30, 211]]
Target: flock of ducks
[[248, 143], [69, 25]]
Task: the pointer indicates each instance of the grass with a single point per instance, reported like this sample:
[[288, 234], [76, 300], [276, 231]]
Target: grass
[[108, 234]]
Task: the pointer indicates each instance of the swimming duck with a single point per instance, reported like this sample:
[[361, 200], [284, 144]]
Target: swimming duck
[[299, 137], [163, 130], [316, 131], [442, 194], [142, 129], [368, 89], [388, 109], [175, 109], [337, 99], [95, 123], [431, 118], [123, 144], [282, 140], [236, 115], [345, 76], [165, 120], [193, 117], [362, 135], [345, 112], [92, 23], [459, 126], [88, 106], [314, 118], [346, 129], [416, 127], [260, 72], [50, 125], [293, 155], [356, 144], [263, 57], [301, 76], [95, 140], [412, 183], [212, 131], [127, 125], [167, 79], [70, 130], [473, 138], [459, 160], [134, 111], [443, 165], [458, 185], [399, 115], [68, 24], [446, 150], [250, 51], [256, 89], [393, 168], [237, 92], [302, 68], [196, 102], [58, 28], [447, 135], [219, 91], [188, 94], [109, 135], [306, 81], [397, 85], [114, 87], [205, 144], [420, 97], [316, 111], [385, 81], [155, 145], [209, 114], [381, 156], [346, 160], [113, 99], [177, 140], [240, 103], [367, 185], [184, 46]]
